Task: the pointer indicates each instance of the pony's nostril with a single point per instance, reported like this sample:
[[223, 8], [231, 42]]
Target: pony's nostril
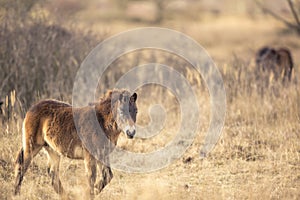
[[130, 134]]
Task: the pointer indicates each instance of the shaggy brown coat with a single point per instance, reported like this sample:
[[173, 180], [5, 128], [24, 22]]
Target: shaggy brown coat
[[50, 124]]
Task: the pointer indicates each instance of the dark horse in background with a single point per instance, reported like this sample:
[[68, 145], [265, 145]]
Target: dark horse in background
[[277, 61]]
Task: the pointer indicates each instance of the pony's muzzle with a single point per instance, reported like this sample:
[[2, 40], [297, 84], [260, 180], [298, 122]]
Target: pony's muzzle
[[130, 133]]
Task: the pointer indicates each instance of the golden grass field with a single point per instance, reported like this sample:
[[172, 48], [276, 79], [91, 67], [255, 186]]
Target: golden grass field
[[258, 154]]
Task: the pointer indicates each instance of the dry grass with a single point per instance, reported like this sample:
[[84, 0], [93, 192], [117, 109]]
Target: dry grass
[[257, 157]]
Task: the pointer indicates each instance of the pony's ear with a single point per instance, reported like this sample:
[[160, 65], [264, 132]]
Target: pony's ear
[[133, 97]]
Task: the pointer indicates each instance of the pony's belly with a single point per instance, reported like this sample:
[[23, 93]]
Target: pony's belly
[[74, 150], [66, 146], [77, 153]]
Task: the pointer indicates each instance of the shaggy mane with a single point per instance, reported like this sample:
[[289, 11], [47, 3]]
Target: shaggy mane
[[109, 98]]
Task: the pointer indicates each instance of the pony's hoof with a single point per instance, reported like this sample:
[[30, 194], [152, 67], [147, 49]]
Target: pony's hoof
[[99, 187], [64, 196], [17, 192], [90, 194]]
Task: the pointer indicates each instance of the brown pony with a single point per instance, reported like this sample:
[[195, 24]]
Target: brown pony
[[64, 130], [277, 61]]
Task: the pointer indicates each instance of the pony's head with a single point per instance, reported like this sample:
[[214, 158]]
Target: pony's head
[[125, 111]]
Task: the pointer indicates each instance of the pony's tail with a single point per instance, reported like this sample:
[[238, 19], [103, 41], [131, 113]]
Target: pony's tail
[[19, 170], [20, 157]]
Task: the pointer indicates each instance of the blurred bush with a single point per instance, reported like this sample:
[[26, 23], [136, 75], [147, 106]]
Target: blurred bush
[[38, 59]]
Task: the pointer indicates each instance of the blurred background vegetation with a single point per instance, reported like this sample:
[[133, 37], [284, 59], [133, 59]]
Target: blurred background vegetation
[[44, 42]]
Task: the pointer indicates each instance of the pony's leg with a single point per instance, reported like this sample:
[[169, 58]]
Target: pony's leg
[[90, 167], [285, 76], [290, 74], [53, 171], [107, 175], [22, 162]]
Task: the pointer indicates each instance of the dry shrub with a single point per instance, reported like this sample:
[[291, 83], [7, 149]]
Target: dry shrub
[[40, 59]]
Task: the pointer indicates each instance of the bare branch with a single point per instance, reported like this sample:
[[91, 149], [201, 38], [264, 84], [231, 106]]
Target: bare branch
[[273, 14], [295, 14], [278, 17]]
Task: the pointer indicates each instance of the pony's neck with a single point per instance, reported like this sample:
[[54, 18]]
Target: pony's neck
[[105, 114]]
